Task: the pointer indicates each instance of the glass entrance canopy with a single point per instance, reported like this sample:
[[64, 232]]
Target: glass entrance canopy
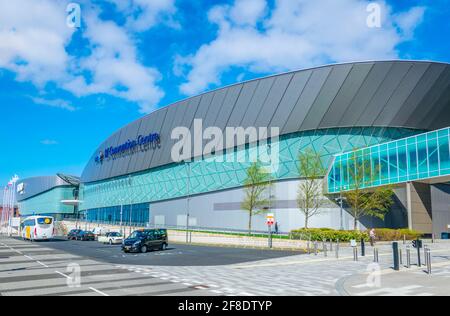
[[417, 158]]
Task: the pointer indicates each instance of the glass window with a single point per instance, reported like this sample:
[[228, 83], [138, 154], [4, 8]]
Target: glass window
[[345, 172], [384, 164], [45, 221], [393, 163], [433, 157], [402, 163], [444, 154], [423, 159], [375, 168], [412, 161]]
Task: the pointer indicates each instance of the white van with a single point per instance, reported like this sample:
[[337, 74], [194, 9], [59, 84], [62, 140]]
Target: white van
[[38, 228]]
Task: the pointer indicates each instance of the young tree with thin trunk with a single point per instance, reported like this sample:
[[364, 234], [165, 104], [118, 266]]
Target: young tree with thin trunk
[[310, 197], [375, 201], [256, 184]]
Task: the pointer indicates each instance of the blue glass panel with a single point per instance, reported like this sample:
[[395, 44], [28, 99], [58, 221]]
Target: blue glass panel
[[393, 163], [412, 161], [423, 159], [384, 164], [433, 157], [376, 167], [444, 154], [402, 163]]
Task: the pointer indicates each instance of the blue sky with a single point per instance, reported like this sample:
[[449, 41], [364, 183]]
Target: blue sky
[[64, 90]]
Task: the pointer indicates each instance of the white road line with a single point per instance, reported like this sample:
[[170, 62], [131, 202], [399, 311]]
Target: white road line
[[43, 264], [64, 275], [28, 257], [97, 291]]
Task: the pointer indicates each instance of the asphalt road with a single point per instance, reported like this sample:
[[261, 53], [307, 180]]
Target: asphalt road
[[175, 255]]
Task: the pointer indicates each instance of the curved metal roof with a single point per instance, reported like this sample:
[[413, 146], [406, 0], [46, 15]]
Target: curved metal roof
[[37, 185], [409, 94]]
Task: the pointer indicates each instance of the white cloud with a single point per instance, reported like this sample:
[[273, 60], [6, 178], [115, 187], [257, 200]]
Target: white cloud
[[49, 142], [34, 38], [294, 34], [56, 103], [144, 14], [114, 68]]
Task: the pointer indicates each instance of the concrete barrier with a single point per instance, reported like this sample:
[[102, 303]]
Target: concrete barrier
[[203, 238]]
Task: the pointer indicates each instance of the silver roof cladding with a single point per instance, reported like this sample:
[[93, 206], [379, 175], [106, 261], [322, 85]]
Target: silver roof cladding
[[37, 185], [409, 94]]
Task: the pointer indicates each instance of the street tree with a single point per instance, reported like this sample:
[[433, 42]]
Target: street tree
[[255, 188], [310, 195], [363, 196]]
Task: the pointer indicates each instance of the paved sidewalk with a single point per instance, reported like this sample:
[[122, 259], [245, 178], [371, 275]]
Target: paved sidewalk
[[310, 275], [298, 275]]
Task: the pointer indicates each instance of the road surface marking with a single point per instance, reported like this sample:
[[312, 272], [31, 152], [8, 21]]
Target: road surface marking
[[43, 264], [64, 275], [97, 291]]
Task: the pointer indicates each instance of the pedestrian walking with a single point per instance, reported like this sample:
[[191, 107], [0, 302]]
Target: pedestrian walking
[[276, 228], [372, 236]]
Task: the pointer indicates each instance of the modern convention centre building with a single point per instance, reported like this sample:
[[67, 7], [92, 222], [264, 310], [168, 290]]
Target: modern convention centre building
[[395, 112]]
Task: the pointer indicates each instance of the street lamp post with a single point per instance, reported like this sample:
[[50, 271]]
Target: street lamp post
[[121, 216], [341, 199], [131, 212], [188, 200]]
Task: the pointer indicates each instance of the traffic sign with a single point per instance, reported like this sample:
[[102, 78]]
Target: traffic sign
[[270, 219]]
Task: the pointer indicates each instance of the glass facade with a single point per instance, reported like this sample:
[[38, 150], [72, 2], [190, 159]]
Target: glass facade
[[48, 203], [137, 214], [418, 157], [209, 175]]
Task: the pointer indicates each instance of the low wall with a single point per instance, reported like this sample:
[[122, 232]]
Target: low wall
[[203, 238]]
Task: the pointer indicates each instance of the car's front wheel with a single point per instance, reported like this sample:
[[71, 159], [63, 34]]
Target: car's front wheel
[[110, 242], [144, 249]]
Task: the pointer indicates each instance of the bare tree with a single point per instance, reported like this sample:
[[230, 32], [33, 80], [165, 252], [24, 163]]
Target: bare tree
[[255, 201], [364, 201], [310, 197]]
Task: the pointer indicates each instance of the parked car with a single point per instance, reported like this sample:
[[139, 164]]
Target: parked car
[[98, 231], [85, 236], [146, 240], [72, 235], [113, 238]]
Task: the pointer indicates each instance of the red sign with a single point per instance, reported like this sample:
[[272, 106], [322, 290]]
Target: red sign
[[270, 219]]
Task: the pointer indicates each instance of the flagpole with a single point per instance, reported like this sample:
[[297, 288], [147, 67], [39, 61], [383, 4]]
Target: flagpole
[[8, 204], [2, 219], [13, 202]]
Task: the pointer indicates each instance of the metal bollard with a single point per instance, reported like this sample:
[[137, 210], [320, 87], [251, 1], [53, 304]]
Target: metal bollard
[[315, 248], [355, 253], [400, 254], [325, 251], [331, 245], [337, 249], [425, 247], [395, 255], [408, 257], [375, 255], [309, 247], [428, 260]]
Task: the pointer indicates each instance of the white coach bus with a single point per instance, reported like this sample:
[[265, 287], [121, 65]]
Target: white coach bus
[[37, 228]]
